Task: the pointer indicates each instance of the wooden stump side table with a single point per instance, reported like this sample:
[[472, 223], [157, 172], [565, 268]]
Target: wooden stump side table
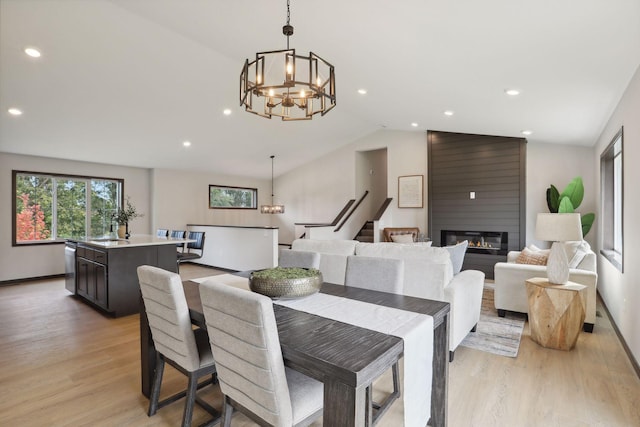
[[556, 312]]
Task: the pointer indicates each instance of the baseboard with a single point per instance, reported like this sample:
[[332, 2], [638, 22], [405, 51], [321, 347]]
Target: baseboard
[[634, 362], [30, 279]]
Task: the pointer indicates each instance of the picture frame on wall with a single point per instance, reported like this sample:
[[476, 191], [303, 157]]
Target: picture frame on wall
[[411, 191]]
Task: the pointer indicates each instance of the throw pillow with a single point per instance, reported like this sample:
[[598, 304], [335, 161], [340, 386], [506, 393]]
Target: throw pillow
[[527, 256], [538, 250], [456, 253], [402, 238], [576, 251]]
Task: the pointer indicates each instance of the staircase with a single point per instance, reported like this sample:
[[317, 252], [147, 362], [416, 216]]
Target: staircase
[[366, 233]]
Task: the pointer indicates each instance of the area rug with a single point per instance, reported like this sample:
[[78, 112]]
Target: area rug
[[497, 335]]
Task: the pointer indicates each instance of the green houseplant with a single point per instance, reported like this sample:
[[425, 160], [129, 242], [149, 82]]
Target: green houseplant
[[568, 201]]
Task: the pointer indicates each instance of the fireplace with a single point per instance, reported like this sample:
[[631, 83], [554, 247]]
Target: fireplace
[[480, 242]]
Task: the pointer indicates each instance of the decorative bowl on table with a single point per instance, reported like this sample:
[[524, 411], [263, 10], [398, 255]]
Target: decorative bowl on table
[[286, 282]]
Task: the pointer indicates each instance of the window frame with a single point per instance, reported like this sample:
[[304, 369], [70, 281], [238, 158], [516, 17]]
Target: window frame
[[254, 191], [612, 201], [57, 241]]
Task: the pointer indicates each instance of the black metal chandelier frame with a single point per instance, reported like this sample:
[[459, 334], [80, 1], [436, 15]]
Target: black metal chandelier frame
[[291, 97]]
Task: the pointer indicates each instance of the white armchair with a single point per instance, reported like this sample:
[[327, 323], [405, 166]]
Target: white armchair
[[511, 294]]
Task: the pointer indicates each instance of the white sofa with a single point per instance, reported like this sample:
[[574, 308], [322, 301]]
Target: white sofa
[[510, 290], [428, 274]]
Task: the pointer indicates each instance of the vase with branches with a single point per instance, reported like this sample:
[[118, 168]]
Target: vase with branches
[[123, 215]]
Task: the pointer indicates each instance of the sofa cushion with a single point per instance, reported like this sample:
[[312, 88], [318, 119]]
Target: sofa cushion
[[528, 256], [456, 252], [534, 248], [336, 247]]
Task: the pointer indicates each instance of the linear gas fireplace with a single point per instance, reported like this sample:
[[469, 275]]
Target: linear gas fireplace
[[480, 242]]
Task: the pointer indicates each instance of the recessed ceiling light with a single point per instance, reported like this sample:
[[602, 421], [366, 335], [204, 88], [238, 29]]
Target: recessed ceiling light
[[414, 124], [15, 111], [448, 113], [512, 92], [362, 91], [226, 111], [32, 52], [187, 143], [526, 132]]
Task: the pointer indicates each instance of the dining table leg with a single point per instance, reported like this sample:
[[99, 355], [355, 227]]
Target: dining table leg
[[344, 405], [439, 389]]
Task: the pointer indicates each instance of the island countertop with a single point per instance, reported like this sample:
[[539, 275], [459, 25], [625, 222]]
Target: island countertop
[[133, 241]]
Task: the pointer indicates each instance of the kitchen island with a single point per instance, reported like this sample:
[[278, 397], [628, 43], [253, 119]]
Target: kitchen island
[[106, 269]]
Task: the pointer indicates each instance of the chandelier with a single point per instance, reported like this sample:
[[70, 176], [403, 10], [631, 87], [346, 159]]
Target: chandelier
[[272, 209], [283, 84]]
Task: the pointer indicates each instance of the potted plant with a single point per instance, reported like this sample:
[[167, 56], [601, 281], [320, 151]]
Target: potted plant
[[568, 201], [123, 215]]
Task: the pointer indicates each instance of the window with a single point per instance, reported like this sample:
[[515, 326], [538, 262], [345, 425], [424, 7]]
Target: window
[[49, 208], [611, 191], [222, 197]]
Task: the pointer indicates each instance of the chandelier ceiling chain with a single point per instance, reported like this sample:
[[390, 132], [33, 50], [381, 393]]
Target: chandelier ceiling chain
[[285, 29], [272, 208], [308, 83]]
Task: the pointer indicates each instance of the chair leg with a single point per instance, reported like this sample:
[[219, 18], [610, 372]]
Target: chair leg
[[155, 389], [451, 354], [227, 411], [192, 388]]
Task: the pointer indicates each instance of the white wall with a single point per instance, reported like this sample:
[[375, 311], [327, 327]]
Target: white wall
[[316, 192], [181, 197], [621, 291], [558, 164], [43, 260], [371, 175]]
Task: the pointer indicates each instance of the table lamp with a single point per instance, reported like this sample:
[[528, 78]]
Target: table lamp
[[558, 227]]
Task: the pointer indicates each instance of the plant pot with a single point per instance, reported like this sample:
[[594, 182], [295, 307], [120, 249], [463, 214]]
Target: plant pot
[[279, 288], [122, 231]]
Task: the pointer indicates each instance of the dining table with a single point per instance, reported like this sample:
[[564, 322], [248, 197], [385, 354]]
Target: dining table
[[346, 358]]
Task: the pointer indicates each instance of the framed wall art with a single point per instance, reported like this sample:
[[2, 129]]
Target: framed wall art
[[410, 191]]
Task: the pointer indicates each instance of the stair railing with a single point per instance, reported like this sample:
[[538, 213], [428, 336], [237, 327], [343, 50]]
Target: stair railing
[[352, 211]]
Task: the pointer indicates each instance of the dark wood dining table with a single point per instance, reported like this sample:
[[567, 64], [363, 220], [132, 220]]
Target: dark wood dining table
[[346, 358]]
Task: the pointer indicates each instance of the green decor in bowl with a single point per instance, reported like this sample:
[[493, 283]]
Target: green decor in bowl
[[286, 282]]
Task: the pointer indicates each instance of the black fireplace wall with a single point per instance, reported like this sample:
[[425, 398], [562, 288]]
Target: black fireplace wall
[[477, 182]]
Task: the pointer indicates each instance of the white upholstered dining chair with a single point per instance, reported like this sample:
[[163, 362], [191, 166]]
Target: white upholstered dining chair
[[384, 275], [302, 259], [176, 342], [253, 379]]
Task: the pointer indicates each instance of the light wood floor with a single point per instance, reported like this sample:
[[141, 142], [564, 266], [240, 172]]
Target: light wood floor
[[64, 364]]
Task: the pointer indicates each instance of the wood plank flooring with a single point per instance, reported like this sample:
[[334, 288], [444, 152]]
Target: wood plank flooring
[[62, 363]]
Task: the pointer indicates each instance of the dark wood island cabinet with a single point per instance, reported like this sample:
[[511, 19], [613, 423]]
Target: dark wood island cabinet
[[106, 270]]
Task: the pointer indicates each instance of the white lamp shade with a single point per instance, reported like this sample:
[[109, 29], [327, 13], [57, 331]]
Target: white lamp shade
[[558, 227]]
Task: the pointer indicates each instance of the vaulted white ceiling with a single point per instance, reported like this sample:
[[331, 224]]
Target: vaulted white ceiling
[[127, 81]]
